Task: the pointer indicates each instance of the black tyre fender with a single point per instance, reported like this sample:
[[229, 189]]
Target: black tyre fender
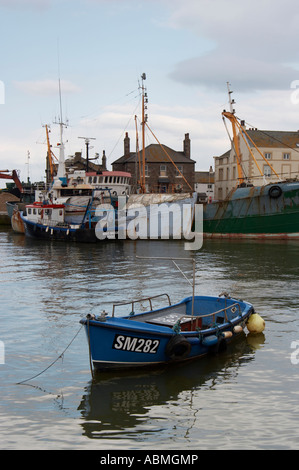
[[177, 348], [275, 192]]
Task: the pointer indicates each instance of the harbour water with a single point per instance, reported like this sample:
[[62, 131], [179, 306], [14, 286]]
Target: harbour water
[[245, 398]]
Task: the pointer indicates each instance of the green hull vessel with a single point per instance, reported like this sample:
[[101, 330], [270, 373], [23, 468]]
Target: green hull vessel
[[270, 211]]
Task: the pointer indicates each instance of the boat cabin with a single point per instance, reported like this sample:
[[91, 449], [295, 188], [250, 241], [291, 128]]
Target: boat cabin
[[117, 181], [45, 213]]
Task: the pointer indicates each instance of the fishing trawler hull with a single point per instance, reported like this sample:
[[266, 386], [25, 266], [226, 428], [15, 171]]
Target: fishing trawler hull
[[58, 233], [264, 212]]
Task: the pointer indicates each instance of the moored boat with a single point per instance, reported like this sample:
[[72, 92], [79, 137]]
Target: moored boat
[[253, 210], [50, 221], [189, 329], [265, 212]]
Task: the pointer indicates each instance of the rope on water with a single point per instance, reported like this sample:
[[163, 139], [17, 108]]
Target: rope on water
[[59, 357]]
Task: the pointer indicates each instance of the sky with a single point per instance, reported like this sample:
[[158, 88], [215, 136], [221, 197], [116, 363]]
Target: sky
[[98, 49]]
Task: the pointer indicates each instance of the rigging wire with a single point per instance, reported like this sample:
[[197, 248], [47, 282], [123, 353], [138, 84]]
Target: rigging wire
[[50, 365], [122, 133], [270, 136]]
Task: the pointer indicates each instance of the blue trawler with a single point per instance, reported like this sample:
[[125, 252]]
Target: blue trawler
[[189, 329]]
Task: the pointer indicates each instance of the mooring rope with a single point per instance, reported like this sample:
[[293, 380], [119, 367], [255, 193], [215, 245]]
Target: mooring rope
[[60, 356]]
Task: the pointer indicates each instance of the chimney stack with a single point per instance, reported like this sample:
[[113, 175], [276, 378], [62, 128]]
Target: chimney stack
[[187, 146], [127, 145], [104, 161]]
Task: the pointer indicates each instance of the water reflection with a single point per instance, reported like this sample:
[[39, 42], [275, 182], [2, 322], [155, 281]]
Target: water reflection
[[47, 287], [114, 403]]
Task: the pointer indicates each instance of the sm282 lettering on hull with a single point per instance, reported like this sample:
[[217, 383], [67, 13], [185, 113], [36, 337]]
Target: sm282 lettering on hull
[[134, 344]]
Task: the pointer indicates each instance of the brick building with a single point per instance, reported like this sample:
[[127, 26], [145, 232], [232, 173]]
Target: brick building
[[161, 175]]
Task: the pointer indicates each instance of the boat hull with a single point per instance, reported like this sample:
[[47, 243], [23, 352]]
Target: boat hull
[[43, 232], [270, 211], [126, 343]]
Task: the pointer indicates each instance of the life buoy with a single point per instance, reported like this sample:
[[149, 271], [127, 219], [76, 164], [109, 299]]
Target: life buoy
[[275, 192], [177, 348]]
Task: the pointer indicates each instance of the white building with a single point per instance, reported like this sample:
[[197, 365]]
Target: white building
[[265, 157], [204, 184]]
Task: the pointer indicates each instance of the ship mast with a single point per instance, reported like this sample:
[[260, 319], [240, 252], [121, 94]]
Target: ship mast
[[242, 132], [144, 120], [144, 123], [61, 172], [232, 118]]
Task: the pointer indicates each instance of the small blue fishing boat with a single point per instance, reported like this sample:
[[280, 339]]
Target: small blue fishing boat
[[191, 328]]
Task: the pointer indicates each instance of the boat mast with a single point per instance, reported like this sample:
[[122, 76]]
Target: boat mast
[[61, 173], [242, 132], [232, 118], [144, 119]]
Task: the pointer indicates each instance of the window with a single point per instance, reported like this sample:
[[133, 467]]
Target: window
[[146, 170], [286, 156], [162, 170], [267, 170], [267, 156], [220, 174], [179, 170]]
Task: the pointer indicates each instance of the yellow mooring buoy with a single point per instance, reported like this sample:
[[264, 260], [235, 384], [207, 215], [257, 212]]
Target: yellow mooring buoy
[[255, 323]]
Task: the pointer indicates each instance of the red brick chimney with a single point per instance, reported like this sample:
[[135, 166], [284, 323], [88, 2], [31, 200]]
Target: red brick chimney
[[187, 146]]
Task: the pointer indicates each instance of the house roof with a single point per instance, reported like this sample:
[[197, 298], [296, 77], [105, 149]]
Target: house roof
[[204, 177], [226, 154], [274, 139], [155, 154]]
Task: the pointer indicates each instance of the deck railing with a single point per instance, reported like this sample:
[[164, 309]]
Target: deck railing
[[196, 317], [132, 302]]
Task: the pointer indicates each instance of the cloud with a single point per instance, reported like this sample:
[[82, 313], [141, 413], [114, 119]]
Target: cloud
[[252, 44], [34, 4], [246, 73], [46, 87]]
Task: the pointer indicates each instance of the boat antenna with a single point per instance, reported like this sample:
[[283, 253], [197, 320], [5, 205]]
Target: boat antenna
[[172, 259], [87, 140], [28, 172]]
